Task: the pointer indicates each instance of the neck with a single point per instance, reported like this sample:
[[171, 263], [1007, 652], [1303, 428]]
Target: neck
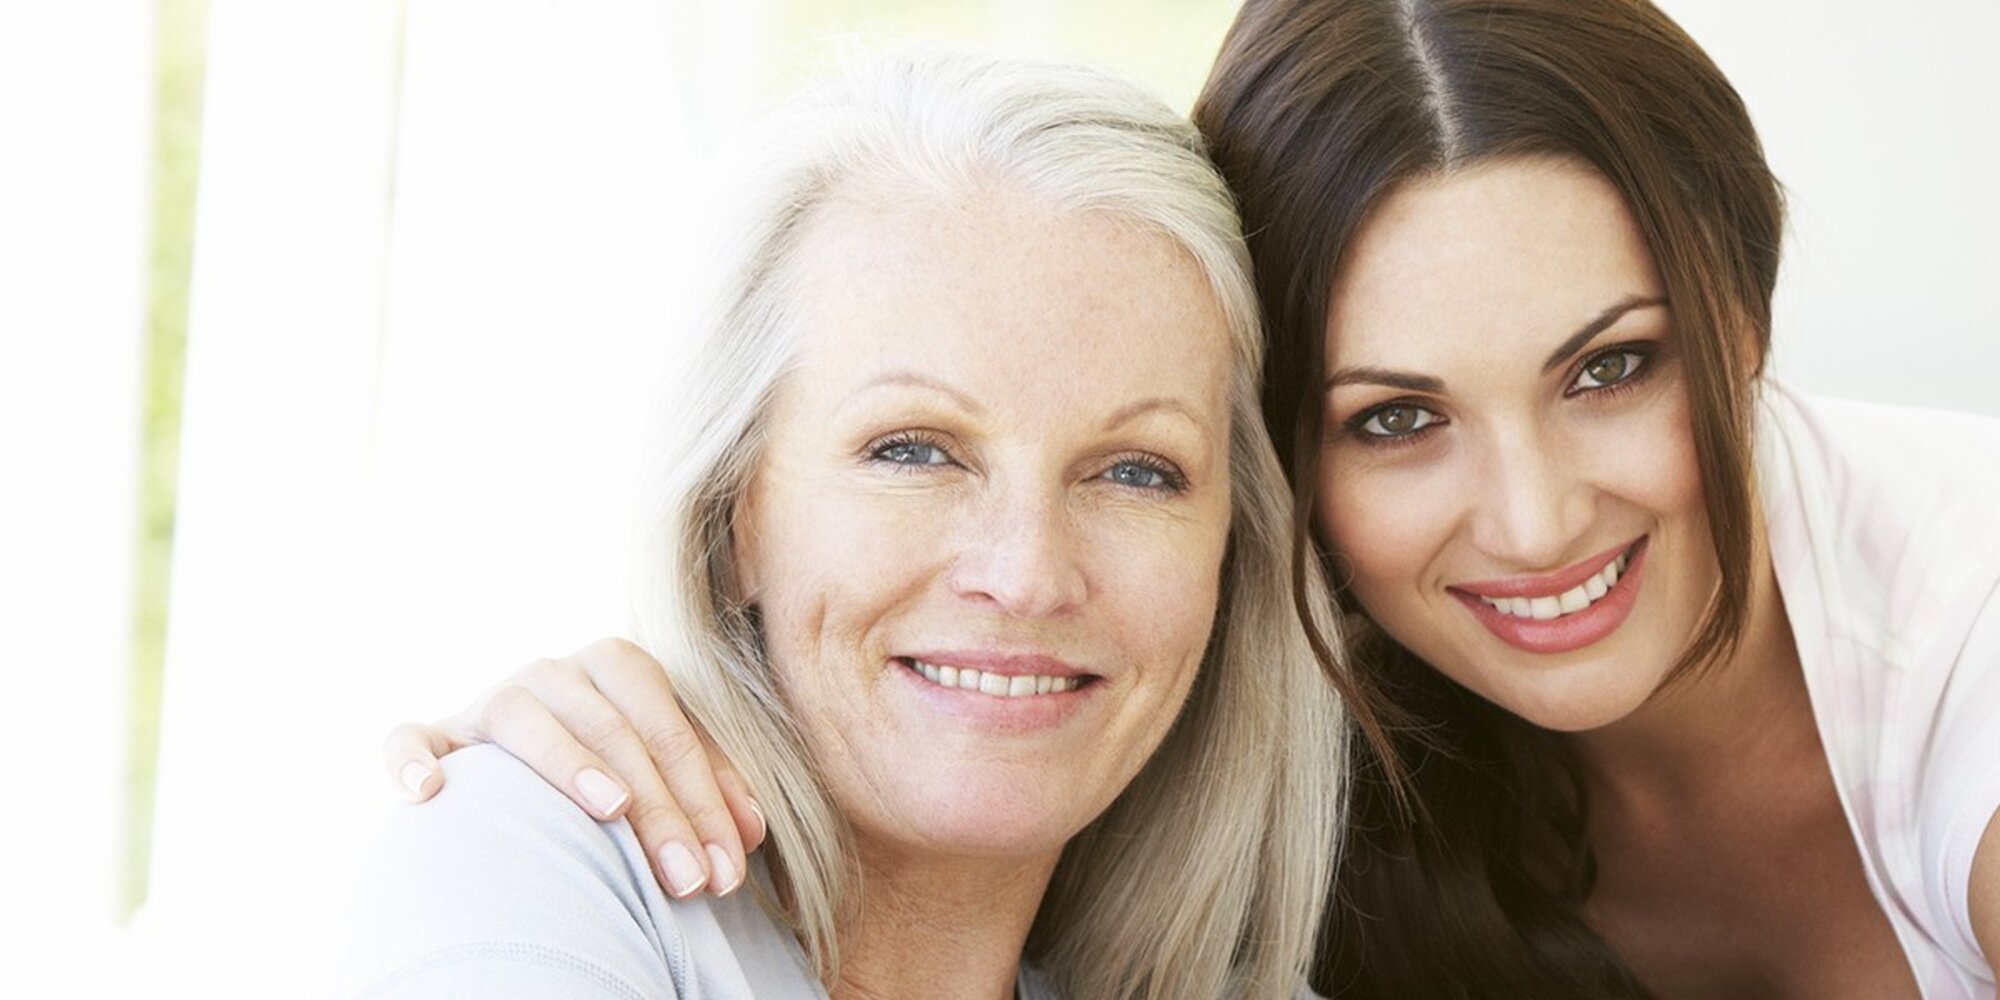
[[934, 926], [1731, 715]]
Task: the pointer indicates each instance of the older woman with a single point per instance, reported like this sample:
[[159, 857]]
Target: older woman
[[970, 555]]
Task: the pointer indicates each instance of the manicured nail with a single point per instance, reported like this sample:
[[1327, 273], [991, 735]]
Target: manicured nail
[[763, 826], [603, 794], [684, 874], [723, 877], [414, 775]]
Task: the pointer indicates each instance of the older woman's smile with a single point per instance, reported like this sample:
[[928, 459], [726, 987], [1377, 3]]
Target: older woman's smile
[[997, 675]]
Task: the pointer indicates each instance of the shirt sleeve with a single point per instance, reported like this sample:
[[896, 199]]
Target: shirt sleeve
[[501, 887], [1961, 788]]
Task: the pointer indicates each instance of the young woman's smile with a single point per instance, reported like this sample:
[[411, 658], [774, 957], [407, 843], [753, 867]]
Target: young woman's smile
[[1509, 482]]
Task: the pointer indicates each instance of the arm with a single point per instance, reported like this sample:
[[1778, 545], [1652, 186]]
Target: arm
[[602, 726]]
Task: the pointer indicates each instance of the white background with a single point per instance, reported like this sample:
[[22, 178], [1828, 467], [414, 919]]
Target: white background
[[428, 304]]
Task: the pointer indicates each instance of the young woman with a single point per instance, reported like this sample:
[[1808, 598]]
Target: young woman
[[969, 619], [1669, 680], [1692, 679]]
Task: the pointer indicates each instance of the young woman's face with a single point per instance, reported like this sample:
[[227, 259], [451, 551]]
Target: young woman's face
[[987, 533], [1508, 479]]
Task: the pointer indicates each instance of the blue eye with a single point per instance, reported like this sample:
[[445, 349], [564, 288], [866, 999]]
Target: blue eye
[[1145, 475], [910, 451]]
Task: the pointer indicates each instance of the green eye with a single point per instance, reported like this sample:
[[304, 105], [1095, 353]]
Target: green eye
[[1609, 368], [1396, 420]]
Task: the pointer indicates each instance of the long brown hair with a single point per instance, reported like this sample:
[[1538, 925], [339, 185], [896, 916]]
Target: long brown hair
[[1466, 860]]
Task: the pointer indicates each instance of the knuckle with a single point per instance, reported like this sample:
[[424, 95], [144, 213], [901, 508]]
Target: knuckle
[[508, 701], [658, 821], [538, 667], [603, 730], [712, 816], [675, 746], [623, 656]]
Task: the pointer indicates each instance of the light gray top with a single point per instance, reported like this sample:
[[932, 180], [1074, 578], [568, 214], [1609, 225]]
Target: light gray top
[[502, 888]]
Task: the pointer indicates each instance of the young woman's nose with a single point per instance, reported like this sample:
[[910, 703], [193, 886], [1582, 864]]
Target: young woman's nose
[[1530, 506], [1021, 555]]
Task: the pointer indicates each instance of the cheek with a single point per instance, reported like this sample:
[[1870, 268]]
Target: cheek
[[829, 563], [1649, 461], [1156, 583], [1381, 531]]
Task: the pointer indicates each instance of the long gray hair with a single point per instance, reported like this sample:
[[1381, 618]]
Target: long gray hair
[[1208, 875]]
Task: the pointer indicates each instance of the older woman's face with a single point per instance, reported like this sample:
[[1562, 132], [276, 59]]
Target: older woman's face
[[987, 532]]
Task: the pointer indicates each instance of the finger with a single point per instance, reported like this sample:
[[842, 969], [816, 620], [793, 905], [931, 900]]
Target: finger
[[514, 717], [750, 823], [680, 860], [635, 682], [410, 755]]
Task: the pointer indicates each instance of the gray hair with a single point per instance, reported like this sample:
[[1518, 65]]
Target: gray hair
[[1208, 875]]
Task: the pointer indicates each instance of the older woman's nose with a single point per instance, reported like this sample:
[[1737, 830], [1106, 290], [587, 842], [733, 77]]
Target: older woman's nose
[[1530, 507], [1022, 557]]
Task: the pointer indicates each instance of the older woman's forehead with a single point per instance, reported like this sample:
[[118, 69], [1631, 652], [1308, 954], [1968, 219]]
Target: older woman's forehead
[[1001, 280]]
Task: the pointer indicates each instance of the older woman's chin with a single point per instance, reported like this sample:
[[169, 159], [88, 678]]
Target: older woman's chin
[[985, 812]]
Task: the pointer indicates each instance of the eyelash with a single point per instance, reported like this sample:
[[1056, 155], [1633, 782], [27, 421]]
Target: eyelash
[[1171, 479], [1640, 367], [878, 450]]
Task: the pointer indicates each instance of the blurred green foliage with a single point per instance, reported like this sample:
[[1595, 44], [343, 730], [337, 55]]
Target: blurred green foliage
[[180, 49]]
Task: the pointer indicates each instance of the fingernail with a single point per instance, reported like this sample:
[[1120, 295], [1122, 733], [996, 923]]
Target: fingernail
[[725, 879], [684, 874], [603, 794], [763, 825], [414, 775]]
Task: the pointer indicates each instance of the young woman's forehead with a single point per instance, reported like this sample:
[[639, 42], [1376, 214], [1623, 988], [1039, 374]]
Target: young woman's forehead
[[1507, 249]]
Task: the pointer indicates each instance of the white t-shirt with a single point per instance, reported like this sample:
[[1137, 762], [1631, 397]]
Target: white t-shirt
[[1885, 533]]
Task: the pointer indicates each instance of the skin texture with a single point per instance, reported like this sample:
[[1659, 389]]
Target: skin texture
[[1726, 868], [1006, 433]]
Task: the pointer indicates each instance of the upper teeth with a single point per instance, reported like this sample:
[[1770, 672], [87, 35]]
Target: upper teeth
[[1575, 599], [998, 685]]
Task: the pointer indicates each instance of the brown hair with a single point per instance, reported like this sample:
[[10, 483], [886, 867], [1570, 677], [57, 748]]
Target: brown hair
[[1467, 860]]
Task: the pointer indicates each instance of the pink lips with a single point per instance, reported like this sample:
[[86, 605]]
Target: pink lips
[[1567, 632]]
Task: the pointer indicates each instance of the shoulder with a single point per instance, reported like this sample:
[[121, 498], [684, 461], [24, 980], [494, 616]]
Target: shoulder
[[1884, 535], [1894, 510], [501, 887]]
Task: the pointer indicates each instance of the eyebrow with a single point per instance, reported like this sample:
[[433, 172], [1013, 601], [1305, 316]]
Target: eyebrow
[[1123, 415], [905, 377], [1577, 340], [1412, 382], [1151, 404]]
